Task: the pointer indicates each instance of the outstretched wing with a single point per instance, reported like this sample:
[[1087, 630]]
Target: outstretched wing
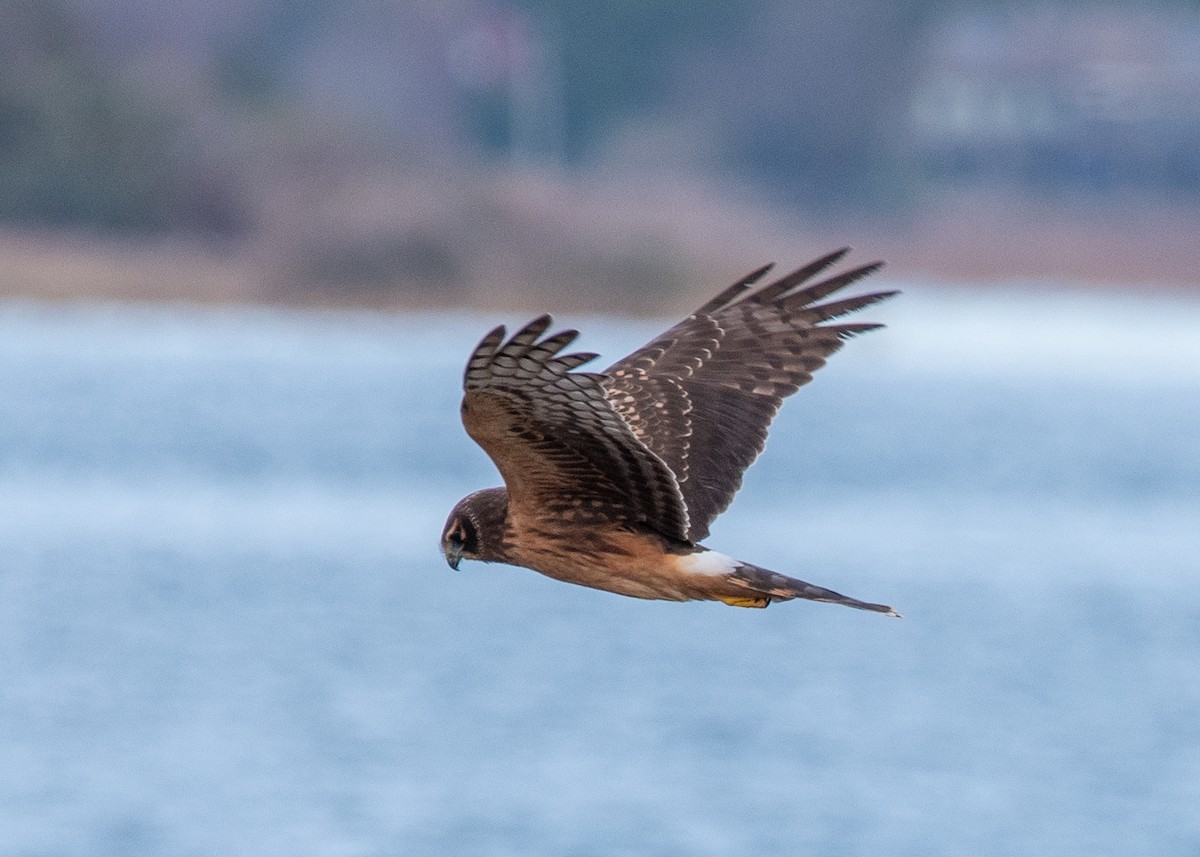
[[563, 451], [703, 394]]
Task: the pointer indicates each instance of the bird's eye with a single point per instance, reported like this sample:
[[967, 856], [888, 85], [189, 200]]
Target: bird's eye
[[457, 535]]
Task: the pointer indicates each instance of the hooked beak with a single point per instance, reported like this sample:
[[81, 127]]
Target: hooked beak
[[453, 556]]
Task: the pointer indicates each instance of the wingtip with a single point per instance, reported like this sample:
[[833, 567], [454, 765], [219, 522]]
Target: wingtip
[[490, 342], [859, 273], [483, 353], [792, 281], [757, 274], [568, 362], [845, 332], [537, 326], [829, 259], [735, 291]]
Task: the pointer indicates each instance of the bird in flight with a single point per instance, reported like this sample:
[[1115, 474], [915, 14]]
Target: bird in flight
[[611, 479]]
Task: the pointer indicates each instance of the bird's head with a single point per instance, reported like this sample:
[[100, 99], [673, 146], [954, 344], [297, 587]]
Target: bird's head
[[475, 528]]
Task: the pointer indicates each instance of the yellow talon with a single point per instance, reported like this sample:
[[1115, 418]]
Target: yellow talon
[[746, 600]]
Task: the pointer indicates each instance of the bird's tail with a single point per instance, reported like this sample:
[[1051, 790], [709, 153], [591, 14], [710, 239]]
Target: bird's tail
[[763, 582]]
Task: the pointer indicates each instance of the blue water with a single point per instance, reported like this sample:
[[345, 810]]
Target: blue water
[[226, 629]]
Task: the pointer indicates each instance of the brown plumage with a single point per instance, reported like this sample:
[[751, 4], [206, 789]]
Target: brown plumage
[[612, 478]]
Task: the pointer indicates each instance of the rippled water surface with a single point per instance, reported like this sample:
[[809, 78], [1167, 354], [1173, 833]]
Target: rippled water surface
[[225, 626]]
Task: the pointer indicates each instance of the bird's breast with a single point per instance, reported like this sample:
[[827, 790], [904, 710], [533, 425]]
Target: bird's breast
[[616, 560]]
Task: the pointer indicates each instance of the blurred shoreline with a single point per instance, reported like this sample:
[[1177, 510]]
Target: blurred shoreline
[[536, 240], [544, 155]]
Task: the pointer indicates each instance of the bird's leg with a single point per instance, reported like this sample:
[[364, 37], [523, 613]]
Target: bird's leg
[[746, 600]]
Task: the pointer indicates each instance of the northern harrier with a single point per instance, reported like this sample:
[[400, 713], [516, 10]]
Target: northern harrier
[[612, 478]]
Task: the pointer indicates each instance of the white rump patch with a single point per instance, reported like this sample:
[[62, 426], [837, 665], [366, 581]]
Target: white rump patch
[[708, 562]]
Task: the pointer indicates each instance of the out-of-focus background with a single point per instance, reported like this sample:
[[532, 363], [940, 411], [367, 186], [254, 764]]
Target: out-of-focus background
[[245, 248], [467, 152]]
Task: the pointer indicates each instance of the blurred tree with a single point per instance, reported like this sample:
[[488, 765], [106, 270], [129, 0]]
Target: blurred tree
[[616, 58], [807, 98], [79, 149], [253, 62], [816, 98]]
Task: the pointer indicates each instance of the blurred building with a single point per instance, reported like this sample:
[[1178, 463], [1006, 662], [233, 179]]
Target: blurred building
[[1064, 96]]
